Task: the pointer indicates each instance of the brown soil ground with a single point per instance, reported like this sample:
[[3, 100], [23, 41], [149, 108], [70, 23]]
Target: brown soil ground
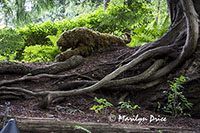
[[77, 108]]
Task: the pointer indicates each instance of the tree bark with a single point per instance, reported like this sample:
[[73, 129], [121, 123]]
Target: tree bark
[[105, 4], [20, 68], [158, 10]]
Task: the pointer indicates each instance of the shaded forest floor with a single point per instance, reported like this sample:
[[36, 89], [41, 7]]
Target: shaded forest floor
[[77, 108]]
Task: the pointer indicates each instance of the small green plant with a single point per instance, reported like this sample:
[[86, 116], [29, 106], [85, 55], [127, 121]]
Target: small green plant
[[177, 102], [77, 127], [29, 74], [159, 106], [128, 106], [102, 105]]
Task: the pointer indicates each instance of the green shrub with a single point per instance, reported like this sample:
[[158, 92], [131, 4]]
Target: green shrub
[[177, 103], [35, 34], [42, 53], [10, 41], [148, 33], [118, 17]]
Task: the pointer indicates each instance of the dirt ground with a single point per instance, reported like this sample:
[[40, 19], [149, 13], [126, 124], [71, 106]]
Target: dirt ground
[[77, 108]]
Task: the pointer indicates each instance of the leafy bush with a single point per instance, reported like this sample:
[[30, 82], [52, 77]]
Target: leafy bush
[[177, 103], [39, 53], [10, 41], [35, 34], [3, 58], [148, 33], [118, 17]]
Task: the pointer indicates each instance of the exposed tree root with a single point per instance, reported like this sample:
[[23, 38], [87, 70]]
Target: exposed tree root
[[20, 68], [51, 95], [18, 93], [40, 76], [114, 83], [35, 77]]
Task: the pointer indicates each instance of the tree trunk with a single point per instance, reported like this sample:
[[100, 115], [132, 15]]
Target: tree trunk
[[158, 10], [105, 4], [6, 19]]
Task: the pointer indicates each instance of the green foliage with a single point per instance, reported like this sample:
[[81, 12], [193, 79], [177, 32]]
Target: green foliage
[[128, 106], [118, 17], [54, 38], [10, 41], [40, 53], [81, 128], [23, 12], [159, 106], [77, 8], [35, 34], [20, 12], [102, 105], [148, 33], [159, 9], [177, 103], [43, 53]]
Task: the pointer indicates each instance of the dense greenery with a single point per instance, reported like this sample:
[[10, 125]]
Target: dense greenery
[[10, 41], [137, 17], [44, 53], [149, 32], [22, 12]]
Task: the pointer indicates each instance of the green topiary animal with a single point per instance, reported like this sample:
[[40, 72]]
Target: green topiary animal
[[83, 41]]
